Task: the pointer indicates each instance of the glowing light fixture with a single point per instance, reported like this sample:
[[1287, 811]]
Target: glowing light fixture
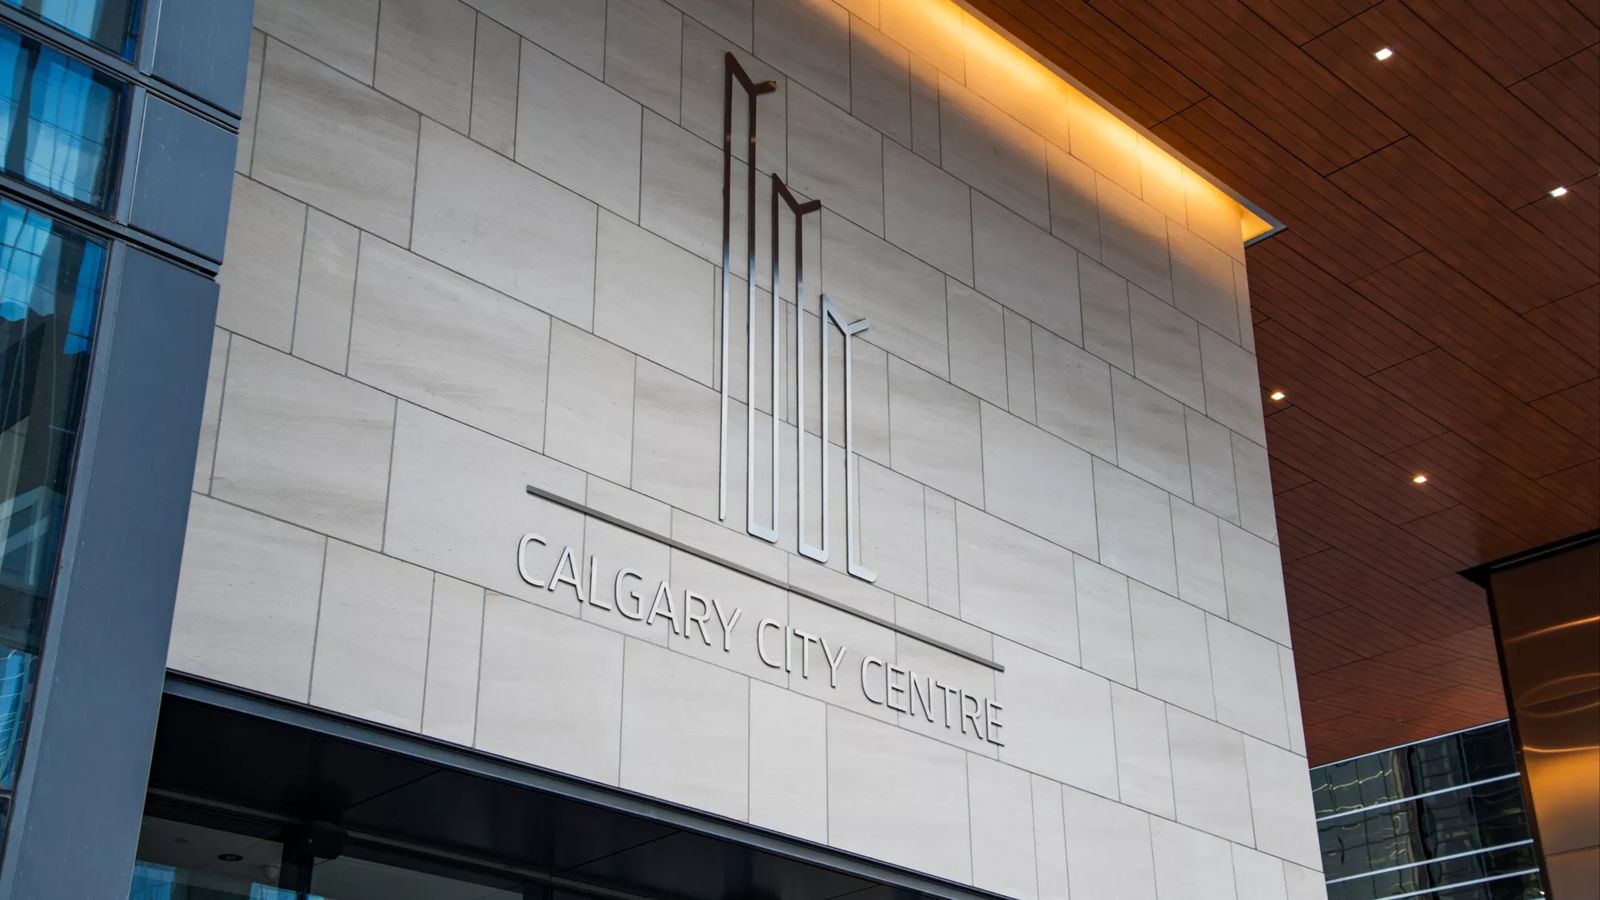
[[1383, 53], [1419, 478], [1012, 78], [1558, 192], [1277, 396]]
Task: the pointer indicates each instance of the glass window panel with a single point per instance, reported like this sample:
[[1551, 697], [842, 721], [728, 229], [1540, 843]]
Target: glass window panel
[[1453, 871], [186, 861], [50, 281], [1456, 821], [1488, 752], [178, 861], [1485, 815], [109, 23], [58, 121], [1432, 765], [1322, 790], [1523, 887], [1382, 780]]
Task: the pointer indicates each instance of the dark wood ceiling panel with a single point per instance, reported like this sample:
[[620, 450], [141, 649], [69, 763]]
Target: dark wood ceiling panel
[[1465, 533], [1298, 105], [1458, 594], [1475, 327], [1510, 43], [1286, 477], [1564, 95], [1515, 166], [1247, 33], [1357, 331], [1350, 239], [1469, 642], [1370, 479], [1501, 495], [1579, 486], [1486, 414], [1323, 704], [1295, 543], [1317, 597], [1340, 396], [1302, 20], [1153, 89], [1571, 221], [1382, 547], [1379, 691], [1378, 677], [1577, 409], [1430, 309], [1347, 636], [1486, 242], [1573, 320], [1372, 591]]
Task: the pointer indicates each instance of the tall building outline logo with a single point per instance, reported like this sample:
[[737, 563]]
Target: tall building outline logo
[[829, 318]]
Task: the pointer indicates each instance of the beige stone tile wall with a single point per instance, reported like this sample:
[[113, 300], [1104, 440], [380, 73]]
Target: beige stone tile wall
[[475, 246]]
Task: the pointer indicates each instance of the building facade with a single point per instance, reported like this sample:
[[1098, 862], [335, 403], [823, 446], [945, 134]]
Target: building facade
[[816, 427], [120, 123], [1445, 817]]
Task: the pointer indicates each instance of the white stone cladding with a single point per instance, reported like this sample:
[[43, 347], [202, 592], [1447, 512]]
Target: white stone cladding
[[475, 246]]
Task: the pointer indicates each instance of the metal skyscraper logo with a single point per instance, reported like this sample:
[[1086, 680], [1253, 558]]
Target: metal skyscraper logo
[[829, 318]]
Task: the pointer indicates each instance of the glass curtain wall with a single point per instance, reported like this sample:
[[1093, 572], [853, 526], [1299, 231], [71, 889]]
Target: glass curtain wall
[[61, 123], [108, 24], [1442, 818], [50, 283], [58, 121]]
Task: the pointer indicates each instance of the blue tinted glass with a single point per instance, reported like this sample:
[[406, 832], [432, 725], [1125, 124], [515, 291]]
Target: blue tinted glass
[[16, 684], [50, 282], [58, 121], [109, 23]]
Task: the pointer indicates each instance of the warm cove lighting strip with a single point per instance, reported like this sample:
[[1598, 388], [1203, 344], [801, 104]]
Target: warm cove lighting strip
[[954, 36]]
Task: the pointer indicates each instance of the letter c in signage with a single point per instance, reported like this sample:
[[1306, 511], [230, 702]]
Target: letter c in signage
[[522, 558], [761, 640], [867, 662]]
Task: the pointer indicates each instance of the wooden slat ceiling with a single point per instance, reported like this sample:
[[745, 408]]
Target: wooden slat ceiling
[[1430, 309]]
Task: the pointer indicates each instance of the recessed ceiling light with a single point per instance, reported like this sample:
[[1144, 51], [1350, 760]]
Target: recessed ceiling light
[[1277, 395], [1419, 478], [1383, 54], [1558, 192]]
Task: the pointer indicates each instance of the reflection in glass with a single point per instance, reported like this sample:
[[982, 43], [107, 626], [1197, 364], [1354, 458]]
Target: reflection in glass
[[1494, 874], [1439, 818], [58, 121], [184, 861], [109, 23], [1465, 819], [50, 279], [1413, 769]]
